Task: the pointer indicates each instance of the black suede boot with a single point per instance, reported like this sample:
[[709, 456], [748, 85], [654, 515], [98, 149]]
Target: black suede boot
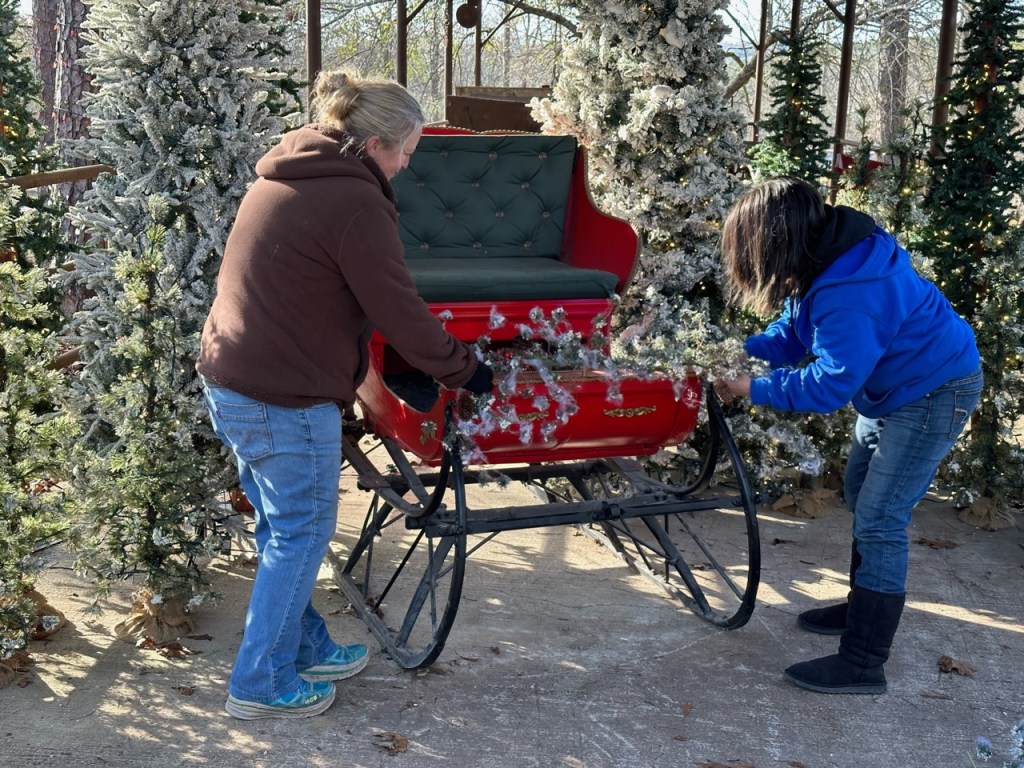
[[831, 620], [863, 649]]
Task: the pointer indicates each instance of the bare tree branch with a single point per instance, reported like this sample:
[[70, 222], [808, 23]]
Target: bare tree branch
[[558, 18], [750, 68]]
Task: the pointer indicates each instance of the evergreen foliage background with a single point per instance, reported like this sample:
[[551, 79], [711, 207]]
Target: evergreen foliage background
[[892, 192], [187, 98], [974, 242], [189, 94], [32, 430], [796, 139]]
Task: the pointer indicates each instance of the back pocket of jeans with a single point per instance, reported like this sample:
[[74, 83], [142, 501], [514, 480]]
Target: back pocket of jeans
[[246, 427], [964, 403]]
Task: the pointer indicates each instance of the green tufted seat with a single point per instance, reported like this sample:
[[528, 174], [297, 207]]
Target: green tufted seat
[[483, 218]]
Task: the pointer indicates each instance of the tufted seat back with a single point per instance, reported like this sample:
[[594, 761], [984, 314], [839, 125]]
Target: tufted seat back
[[483, 218]]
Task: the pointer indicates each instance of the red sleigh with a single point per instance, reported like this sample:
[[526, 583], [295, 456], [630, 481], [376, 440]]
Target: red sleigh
[[503, 226]]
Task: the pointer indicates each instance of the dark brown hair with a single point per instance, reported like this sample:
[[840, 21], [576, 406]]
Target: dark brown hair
[[769, 241]]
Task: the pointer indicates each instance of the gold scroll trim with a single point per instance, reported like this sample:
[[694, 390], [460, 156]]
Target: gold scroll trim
[[629, 413]]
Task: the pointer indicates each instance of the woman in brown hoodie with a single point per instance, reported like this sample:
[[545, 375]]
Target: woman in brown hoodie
[[312, 266]]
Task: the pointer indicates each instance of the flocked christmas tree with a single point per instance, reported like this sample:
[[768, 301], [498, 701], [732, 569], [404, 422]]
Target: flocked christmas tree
[[974, 241], [794, 136], [643, 90], [38, 241], [31, 427], [182, 111]]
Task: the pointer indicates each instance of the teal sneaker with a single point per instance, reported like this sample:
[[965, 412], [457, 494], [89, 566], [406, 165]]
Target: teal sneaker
[[348, 660], [310, 699]]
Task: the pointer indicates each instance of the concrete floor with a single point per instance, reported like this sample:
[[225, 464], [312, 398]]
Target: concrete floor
[[561, 656]]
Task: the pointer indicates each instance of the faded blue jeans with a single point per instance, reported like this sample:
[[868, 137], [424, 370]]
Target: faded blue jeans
[[289, 464], [891, 465]]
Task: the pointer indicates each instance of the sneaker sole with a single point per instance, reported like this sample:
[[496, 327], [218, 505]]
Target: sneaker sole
[[254, 710], [315, 674]]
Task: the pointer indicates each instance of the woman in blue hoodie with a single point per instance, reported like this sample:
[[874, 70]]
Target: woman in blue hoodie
[[858, 325]]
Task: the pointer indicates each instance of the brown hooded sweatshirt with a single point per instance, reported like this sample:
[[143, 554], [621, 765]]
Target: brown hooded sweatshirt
[[312, 265]]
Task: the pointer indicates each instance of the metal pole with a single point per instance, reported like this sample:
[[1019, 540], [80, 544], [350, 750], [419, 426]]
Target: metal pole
[[449, 44], [943, 73], [478, 45]]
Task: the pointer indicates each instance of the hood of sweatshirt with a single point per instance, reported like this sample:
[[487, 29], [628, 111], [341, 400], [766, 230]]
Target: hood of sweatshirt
[[318, 151], [844, 227]]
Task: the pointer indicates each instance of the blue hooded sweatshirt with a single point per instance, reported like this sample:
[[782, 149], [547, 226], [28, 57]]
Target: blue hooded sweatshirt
[[877, 334]]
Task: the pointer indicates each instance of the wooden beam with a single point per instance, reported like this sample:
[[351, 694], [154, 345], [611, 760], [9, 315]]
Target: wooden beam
[[845, 70], [943, 73], [762, 52], [402, 42], [314, 51], [62, 176]]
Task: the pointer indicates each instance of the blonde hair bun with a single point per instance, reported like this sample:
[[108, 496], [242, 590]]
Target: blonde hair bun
[[334, 94], [365, 108]]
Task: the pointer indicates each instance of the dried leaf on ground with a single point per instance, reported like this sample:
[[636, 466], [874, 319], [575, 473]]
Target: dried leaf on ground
[[374, 602], [433, 669], [948, 664], [167, 650], [807, 504], [394, 743], [185, 690], [175, 650], [937, 543], [687, 708]]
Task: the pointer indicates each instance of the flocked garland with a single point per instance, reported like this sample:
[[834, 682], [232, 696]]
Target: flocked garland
[[546, 349]]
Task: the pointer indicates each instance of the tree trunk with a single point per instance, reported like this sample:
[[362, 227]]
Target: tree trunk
[[57, 40], [44, 47], [894, 39]]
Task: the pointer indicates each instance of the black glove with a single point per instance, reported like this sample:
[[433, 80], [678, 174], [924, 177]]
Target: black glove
[[482, 380]]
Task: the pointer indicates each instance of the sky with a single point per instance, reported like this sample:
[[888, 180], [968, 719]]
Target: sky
[[746, 11], [743, 8]]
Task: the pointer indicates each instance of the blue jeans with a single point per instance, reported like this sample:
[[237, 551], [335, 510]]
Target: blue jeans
[[891, 465], [289, 464]]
